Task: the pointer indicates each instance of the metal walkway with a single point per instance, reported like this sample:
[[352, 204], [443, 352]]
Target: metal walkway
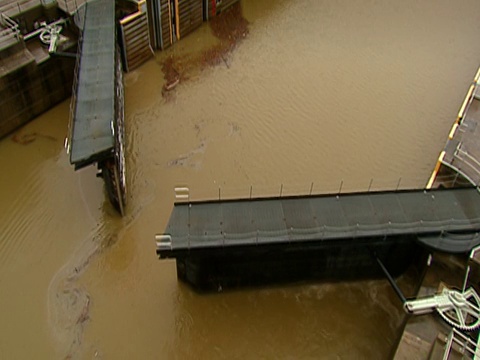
[[97, 105], [92, 137], [447, 220]]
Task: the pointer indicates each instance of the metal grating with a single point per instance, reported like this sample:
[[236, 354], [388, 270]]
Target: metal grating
[[427, 214], [93, 136]]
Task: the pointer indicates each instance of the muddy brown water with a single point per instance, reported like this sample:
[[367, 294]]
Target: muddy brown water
[[318, 92]]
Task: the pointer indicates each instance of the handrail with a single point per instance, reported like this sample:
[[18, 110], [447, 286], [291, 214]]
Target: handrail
[[466, 103], [308, 189], [470, 157], [325, 232], [10, 24], [8, 21], [464, 108], [467, 345]]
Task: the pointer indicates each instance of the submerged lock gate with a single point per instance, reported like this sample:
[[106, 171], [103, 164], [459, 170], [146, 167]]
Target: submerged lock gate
[[97, 119], [218, 244]]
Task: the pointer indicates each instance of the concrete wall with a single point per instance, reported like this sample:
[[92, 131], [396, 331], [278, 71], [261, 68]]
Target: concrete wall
[[31, 90]]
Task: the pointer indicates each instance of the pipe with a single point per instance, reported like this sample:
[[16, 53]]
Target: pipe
[[391, 280], [64, 54]]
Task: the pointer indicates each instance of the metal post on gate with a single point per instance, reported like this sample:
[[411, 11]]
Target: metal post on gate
[[455, 179], [398, 184]]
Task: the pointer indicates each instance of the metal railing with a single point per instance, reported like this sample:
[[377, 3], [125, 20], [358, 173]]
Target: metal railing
[[468, 160], [459, 128], [11, 27], [8, 22], [456, 341], [455, 180], [312, 188]]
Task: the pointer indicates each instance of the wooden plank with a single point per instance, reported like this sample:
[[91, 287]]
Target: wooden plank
[[139, 46], [190, 16], [139, 61], [143, 31], [135, 25], [133, 42], [137, 41], [134, 22], [225, 4], [140, 57]]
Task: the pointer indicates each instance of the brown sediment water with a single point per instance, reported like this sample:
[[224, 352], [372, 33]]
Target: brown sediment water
[[335, 95]]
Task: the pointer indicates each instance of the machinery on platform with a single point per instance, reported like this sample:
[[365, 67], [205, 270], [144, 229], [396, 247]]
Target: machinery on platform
[[460, 309], [49, 34]]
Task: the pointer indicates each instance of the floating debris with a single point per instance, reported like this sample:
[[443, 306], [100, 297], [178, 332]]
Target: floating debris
[[230, 27], [25, 139]]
